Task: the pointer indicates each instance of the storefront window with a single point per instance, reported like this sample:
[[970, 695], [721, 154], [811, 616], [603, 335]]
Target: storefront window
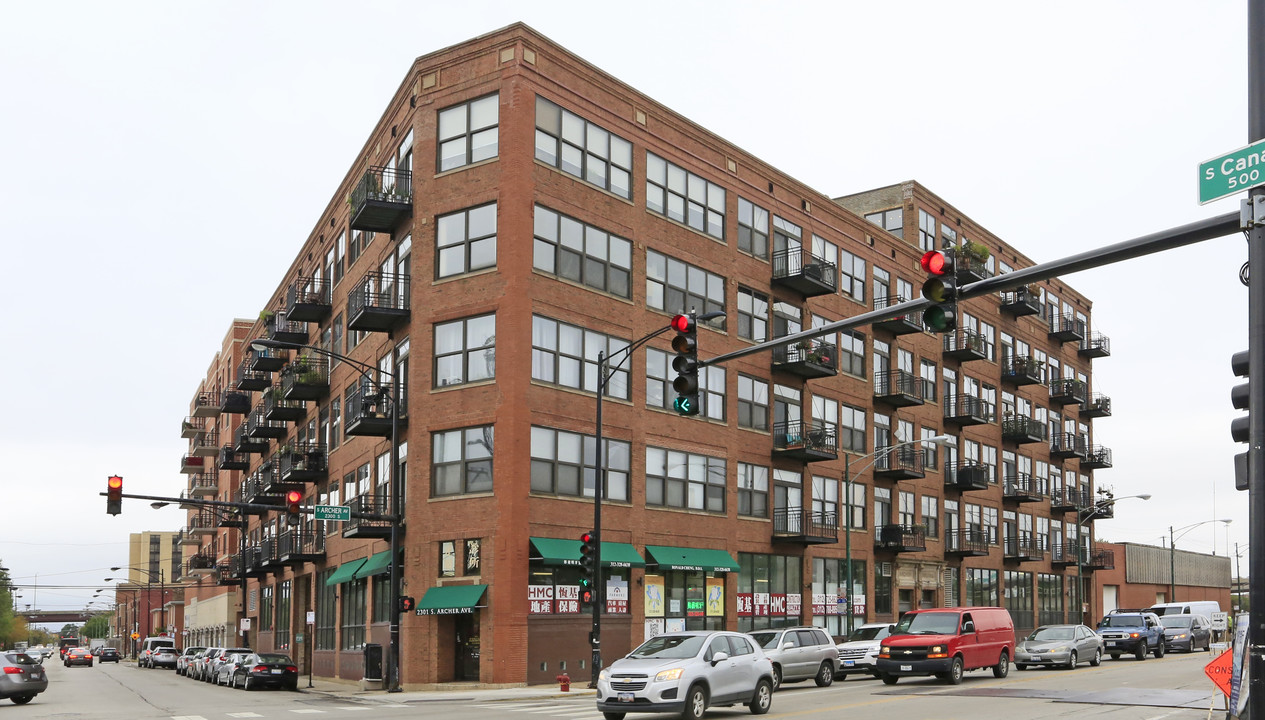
[[679, 600], [830, 594], [556, 590], [769, 591]]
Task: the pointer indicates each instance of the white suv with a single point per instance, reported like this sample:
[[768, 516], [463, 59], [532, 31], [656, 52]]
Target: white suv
[[799, 653], [859, 651], [687, 672]]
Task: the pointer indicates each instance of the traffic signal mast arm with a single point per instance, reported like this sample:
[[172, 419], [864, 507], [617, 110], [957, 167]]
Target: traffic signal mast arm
[[240, 505]]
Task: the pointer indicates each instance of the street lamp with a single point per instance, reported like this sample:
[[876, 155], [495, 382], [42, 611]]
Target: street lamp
[[392, 396], [879, 454], [1083, 516], [1172, 552], [162, 591]]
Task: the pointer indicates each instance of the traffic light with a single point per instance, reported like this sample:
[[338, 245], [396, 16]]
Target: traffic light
[[586, 600], [588, 565], [406, 604], [685, 345], [293, 498], [941, 288], [1239, 396], [114, 495]]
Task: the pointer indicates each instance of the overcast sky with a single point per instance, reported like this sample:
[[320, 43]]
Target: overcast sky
[[161, 163]]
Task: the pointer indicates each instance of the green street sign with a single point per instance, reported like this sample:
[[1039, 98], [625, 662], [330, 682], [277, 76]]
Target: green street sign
[[341, 513], [1231, 173]]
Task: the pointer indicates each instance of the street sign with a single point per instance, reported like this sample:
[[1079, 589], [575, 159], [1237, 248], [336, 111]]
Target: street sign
[[136, 636], [1233, 172], [341, 513], [1221, 669], [1220, 621]]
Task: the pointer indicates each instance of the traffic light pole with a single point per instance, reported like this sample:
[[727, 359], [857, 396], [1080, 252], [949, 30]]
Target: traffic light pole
[[1256, 364]]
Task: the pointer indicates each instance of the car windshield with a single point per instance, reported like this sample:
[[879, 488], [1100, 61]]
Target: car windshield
[[20, 659], [1122, 621], [866, 633], [275, 659], [1175, 621], [670, 646], [928, 623], [766, 640], [1051, 633]]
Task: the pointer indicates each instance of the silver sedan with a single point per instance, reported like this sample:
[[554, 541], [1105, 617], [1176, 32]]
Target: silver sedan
[[1059, 646]]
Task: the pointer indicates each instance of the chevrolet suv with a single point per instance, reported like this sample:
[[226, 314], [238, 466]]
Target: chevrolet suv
[[687, 672], [1132, 632], [799, 653]]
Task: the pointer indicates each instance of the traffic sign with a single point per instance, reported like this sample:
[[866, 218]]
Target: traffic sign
[[136, 636], [1221, 669], [1232, 172], [342, 513]]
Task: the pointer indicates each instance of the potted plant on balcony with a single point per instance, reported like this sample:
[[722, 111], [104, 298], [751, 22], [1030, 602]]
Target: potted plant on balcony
[[975, 251]]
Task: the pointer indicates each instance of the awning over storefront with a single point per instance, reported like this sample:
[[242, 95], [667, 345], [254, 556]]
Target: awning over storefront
[[375, 565], [681, 558], [345, 572], [554, 551], [451, 600]]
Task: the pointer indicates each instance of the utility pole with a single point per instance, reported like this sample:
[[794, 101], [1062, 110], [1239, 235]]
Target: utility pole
[[1256, 363]]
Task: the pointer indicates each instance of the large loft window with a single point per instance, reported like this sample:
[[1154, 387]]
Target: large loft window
[[680, 195], [583, 149], [468, 132], [581, 253]]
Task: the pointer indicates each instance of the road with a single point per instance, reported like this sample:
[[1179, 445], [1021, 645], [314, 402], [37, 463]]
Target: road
[[1118, 690]]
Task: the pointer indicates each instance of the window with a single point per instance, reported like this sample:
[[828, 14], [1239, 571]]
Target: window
[[674, 286], [360, 240], [753, 403], [326, 610], [465, 350], [466, 241], [467, 132], [711, 385], [566, 355], [281, 638], [852, 268], [930, 450], [753, 315], [908, 511], [852, 353], [926, 231], [892, 220], [680, 195], [381, 598], [581, 253], [580, 148], [711, 391], [856, 506], [462, 461], [927, 371], [684, 480], [825, 500], [353, 621], [981, 587], [448, 558], [753, 490], [882, 509], [265, 609], [931, 515], [564, 463], [753, 229]]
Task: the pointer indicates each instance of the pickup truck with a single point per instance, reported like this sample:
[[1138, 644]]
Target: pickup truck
[[1132, 632]]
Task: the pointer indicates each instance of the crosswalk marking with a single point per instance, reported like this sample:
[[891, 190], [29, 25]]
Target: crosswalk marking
[[244, 714], [307, 711], [187, 717]]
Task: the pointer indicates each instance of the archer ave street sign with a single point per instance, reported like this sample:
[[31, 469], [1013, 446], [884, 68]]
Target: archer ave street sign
[[341, 513], [1231, 173]]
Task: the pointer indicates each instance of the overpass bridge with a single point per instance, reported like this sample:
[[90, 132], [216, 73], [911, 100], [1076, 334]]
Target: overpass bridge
[[56, 616]]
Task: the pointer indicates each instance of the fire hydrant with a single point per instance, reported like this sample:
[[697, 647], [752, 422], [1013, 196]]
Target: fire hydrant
[[564, 682]]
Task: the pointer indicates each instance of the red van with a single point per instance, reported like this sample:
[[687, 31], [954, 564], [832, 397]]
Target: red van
[[946, 642]]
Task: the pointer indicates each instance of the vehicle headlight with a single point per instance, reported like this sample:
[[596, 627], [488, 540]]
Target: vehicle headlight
[[604, 674], [1060, 648], [668, 675], [1179, 637], [884, 652]]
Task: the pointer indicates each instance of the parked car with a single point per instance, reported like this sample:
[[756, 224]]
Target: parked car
[[201, 661], [687, 672], [149, 645], [799, 653], [225, 669], [1132, 632], [266, 670], [1186, 632], [859, 650], [182, 662], [22, 677], [77, 656], [163, 657], [108, 654], [1059, 646], [945, 642], [211, 671]]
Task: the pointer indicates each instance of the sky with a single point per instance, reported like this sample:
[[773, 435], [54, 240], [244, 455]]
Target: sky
[[161, 163]]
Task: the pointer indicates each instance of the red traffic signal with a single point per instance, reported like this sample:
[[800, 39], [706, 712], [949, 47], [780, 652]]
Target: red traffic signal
[[114, 495], [406, 604], [941, 288], [936, 263], [293, 500], [682, 323]]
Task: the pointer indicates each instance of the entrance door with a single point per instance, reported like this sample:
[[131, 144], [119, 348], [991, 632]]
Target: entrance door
[[467, 664]]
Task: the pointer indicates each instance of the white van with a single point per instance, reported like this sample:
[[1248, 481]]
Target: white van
[[1190, 607]]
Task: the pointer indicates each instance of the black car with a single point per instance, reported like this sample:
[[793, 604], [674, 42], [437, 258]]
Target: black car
[[108, 654], [266, 670]]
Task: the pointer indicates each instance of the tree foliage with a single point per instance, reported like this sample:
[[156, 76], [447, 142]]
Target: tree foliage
[[97, 627]]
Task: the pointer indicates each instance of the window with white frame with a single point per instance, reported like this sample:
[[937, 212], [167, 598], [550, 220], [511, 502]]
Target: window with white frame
[[684, 480], [753, 490], [465, 241], [565, 463], [753, 229], [566, 355], [856, 506], [582, 148], [931, 515], [753, 402], [465, 350], [926, 231], [825, 501], [468, 132], [581, 253], [677, 287], [461, 461], [753, 315], [851, 428], [892, 220], [852, 268], [680, 195], [852, 353]]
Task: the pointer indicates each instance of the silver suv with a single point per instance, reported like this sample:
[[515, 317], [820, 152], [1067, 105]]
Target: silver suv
[[687, 672], [858, 653], [799, 653]]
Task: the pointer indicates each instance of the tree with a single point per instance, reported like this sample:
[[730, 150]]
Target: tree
[[97, 627], [70, 629]]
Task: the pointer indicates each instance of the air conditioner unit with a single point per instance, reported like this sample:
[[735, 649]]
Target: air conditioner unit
[[885, 569]]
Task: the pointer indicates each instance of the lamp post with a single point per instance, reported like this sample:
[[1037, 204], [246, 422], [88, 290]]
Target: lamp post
[[879, 454], [162, 592], [126, 635], [1172, 552], [392, 395], [1082, 517]]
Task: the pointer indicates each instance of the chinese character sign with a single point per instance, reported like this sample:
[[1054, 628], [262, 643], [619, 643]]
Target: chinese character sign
[[568, 599], [617, 596], [540, 599]]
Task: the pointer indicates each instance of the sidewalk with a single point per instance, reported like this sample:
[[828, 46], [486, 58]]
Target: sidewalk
[[443, 692]]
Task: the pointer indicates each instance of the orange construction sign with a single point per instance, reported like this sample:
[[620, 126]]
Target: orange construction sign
[[1221, 669]]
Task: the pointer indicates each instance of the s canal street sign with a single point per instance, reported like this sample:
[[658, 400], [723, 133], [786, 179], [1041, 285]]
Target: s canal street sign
[[1232, 172]]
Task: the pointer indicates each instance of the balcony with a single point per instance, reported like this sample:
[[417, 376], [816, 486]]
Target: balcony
[[229, 520], [1067, 391], [966, 410], [806, 442], [235, 402], [971, 268], [1099, 405], [901, 324], [818, 276], [1101, 560], [1068, 445], [379, 302], [295, 547], [965, 476], [201, 525], [267, 359], [1099, 511], [257, 490], [965, 345], [245, 443], [1064, 554], [190, 464], [248, 379], [231, 459], [1021, 301], [277, 409], [808, 359], [898, 388], [206, 405], [965, 543], [1067, 499], [1019, 371], [188, 539], [200, 565], [303, 462], [269, 558], [192, 426], [259, 425], [369, 413], [1098, 458], [206, 444], [1023, 549], [901, 463], [1096, 345], [805, 528], [308, 299], [231, 571], [307, 378], [280, 327], [205, 483], [1022, 488], [365, 527], [1020, 429], [382, 199], [901, 539], [1066, 328]]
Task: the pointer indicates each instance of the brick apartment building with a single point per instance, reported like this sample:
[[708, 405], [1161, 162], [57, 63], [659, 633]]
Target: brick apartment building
[[515, 212]]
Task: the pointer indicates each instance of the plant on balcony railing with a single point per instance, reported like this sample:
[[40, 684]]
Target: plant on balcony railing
[[201, 562]]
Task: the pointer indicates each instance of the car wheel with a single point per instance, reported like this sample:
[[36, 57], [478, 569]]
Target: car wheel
[[955, 671], [246, 684], [613, 716], [1000, 670], [695, 704], [826, 674], [293, 687], [1140, 651], [1020, 666], [1159, 650], [1115, 656], [762, 700], [889, 679], [1071, 660], [1097, 658], [777, 677], [22, 699]]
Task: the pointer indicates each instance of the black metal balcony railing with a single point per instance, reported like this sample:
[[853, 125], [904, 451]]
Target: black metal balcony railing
[[1066, 328], [807, 359], [961, 541], [280, 327], [808, 442], [902, 538], [303, 462], [308, 299], [901, 463], [1065, 391], [231, 459], [1023, 487], [1099, 405], [367, 412], [200, 564], [299, 546], [1063, 554], [1021, 429], [1019, 370], [250, 379], [1023, 548], [276, 408], [260, 425], [1098, 458], [1095, 345], [1069, 445], [190, 464], [379, 302], [192, 426], [207, 404], [901, 324], [366, 528], [817, 276], [808, 528], [235, 402], [898, 388], [965, 475], [307, 378], [1101, 560], [244, 442], [1066, 499], [965, 345], [205, 483], [1021, 301], [968, 410], [381, 199], [206, 444], [267, 359]]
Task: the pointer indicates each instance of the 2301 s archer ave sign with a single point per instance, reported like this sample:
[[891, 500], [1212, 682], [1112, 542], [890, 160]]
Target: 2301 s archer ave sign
[[1233, 172]]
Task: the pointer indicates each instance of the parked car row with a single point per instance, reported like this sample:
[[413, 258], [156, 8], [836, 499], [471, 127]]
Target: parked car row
[[238, 667]]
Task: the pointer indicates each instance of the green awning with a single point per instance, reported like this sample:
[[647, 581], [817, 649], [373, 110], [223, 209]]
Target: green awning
[[681, 558], [375, 565], [553, 551], [345, 572], [451, 600]]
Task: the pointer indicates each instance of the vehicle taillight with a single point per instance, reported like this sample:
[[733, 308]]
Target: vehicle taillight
[[260, 669], [291, 668], [10, 670]]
